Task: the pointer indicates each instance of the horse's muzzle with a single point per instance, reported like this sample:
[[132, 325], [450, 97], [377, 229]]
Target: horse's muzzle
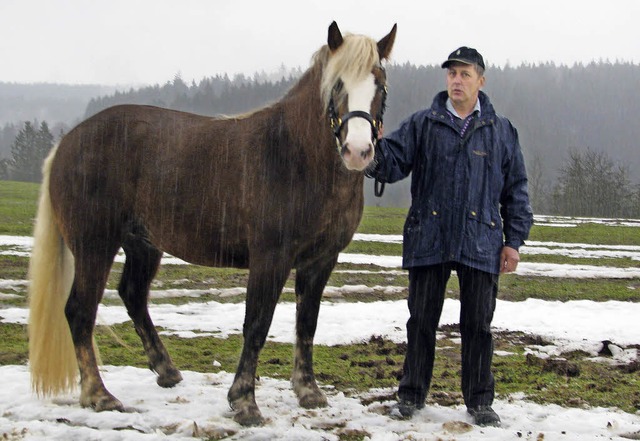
[[357, 158]]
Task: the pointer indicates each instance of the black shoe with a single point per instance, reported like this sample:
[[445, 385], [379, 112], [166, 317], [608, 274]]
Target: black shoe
[[407, 408], [484, 415]]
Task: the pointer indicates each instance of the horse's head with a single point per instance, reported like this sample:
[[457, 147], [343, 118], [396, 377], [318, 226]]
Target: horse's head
[[355, 90]]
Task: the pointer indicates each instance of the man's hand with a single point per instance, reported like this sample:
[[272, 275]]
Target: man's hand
[[509, 259]]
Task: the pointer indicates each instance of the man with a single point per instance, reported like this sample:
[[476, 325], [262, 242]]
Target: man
[[470, 213]]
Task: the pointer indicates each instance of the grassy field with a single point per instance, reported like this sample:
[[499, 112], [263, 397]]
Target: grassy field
[[377, 363], [17, 207]]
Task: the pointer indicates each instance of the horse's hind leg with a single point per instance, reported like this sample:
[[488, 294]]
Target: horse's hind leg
[[310, 283], [140, 267], [91, 273]]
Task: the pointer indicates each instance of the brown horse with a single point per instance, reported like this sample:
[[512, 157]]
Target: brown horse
[[265, 191]]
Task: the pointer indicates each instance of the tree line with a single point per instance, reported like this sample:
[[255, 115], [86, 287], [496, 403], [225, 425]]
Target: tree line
[[219, 95], [576, 124], [28, 151]]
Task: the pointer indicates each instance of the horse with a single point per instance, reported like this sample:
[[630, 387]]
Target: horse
[[273, 190]]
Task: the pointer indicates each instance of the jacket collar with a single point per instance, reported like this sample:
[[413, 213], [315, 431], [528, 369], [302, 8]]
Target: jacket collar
[[439, 105], [477, 108]]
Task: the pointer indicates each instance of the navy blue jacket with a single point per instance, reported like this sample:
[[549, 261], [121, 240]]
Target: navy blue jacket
[[468, 193]]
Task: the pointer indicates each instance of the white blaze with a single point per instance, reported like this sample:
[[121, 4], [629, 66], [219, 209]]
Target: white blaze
[[358, 140]]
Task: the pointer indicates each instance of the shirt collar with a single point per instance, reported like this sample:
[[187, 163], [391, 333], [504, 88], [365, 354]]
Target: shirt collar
[[451, 109]]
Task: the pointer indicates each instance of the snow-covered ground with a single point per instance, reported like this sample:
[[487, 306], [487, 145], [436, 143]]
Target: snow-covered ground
[[197, 407]]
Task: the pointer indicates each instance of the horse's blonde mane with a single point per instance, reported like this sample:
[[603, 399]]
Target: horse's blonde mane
[[352, 61]]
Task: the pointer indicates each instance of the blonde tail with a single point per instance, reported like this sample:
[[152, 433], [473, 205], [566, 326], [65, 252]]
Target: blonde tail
[[52, 359]]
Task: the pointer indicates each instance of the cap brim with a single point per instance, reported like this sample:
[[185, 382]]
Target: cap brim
[[454, 60]]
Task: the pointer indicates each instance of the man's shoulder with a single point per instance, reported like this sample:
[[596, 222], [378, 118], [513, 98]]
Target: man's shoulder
[[417, 118], [504, 123], [489, 111]]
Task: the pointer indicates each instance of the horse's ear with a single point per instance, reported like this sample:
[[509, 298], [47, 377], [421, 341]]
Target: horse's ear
[[386, 44], [335, 37]]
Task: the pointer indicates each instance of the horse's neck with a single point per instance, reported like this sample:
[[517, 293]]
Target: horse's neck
[[306, 121], [311, 150]]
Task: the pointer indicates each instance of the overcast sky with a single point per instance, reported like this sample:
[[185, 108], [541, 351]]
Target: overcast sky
[[149, 41]]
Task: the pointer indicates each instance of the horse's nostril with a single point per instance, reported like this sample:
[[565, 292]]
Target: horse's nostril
[[367, 152]]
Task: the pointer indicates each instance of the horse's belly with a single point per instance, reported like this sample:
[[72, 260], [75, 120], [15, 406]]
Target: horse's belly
[[217, 250]]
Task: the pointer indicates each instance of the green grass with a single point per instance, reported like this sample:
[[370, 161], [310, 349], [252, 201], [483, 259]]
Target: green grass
[[622, 262], [590, 233], [14, 349], [374, 248], [519, 288], [18, 202], [376, 220]]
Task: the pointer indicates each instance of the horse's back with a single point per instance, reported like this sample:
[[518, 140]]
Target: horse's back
[[165, 173]]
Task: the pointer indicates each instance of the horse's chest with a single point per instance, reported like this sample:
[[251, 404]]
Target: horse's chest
[[338, 217]]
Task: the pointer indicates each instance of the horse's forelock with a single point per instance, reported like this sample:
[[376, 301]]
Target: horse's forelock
[[351, 62]]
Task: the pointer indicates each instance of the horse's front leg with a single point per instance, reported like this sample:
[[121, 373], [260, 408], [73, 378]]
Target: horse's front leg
[[267, 276], [310, 283]]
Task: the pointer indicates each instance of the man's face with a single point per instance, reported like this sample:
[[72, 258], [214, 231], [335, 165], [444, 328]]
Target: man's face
[[463, 84]]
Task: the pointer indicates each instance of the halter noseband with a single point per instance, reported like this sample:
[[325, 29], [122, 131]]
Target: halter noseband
[[338, 122]]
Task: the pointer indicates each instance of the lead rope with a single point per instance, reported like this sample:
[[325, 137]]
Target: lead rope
[[378, 187]]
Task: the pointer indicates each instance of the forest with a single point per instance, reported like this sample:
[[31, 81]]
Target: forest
[[576, 123]]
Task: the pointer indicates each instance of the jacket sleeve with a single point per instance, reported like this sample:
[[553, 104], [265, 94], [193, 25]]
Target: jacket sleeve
[[394, 154], [517, 216]]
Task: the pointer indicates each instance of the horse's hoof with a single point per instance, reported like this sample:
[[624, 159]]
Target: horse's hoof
[[249, 417], [312, 400], [108, 404], [247, 411], [101, 402], [169, 379], [309, 395]]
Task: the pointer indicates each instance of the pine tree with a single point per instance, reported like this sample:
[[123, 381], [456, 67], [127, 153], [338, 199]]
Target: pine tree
[[28, 152]]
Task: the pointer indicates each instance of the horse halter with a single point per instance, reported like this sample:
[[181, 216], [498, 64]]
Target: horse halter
[[337, 122]]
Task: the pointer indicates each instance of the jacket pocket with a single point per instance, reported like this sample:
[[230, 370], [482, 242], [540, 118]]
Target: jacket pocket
[[483, 234], [422, 233]]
